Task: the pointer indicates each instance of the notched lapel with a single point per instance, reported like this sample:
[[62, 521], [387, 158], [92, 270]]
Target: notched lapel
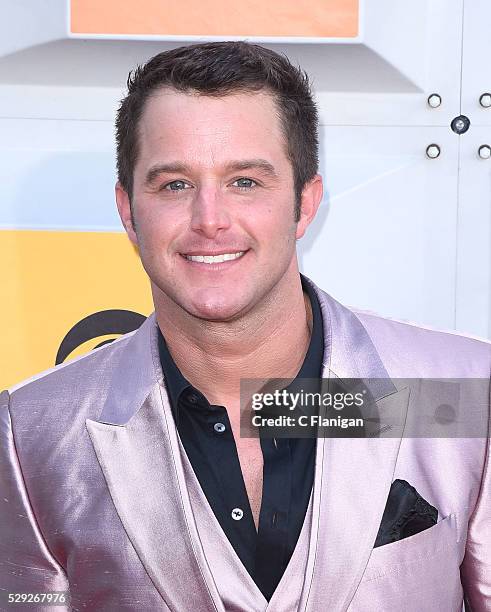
[[140, 469], [383, 408]]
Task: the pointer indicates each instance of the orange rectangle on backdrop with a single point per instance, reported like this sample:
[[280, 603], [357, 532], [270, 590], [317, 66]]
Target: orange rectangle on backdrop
[[220, 18]]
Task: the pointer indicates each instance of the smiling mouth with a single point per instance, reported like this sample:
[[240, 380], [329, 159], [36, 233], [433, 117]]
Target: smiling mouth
[[215, 259]]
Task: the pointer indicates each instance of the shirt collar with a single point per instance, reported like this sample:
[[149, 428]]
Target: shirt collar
[[176, 383]]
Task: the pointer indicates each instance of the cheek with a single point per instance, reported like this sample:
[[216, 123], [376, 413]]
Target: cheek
[[277, 226], [278, 213], [158, 228], [274, 235]]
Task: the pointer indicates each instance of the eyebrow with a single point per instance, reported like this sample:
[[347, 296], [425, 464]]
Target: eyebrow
[[172, 168], [239, 165], [253, 164]]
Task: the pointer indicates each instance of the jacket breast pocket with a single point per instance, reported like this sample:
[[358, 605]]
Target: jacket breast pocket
[[420, 573], [418, 551]]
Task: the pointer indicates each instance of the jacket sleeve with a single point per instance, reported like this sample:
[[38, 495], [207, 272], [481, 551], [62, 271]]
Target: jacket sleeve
[[26, 564], [476, 567]]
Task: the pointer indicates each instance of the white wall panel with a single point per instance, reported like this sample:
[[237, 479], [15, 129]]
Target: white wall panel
[[474, 228], [398, 233], [409, 51], [476, 65], [385, 238], [57, 174], [474, 236]]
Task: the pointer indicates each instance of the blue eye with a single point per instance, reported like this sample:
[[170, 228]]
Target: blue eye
[[244, 183], [176, 186]]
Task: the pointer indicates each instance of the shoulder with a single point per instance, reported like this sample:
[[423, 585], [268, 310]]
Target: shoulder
[[407, 350], [63, 390], [46, 414], [437, 352]]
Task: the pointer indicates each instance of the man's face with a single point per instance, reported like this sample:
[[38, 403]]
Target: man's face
[[213, 184]]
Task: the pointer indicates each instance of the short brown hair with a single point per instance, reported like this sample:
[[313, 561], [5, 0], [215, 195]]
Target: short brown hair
[[218, 69]]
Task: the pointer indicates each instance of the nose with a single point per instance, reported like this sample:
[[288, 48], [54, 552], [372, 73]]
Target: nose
[[209, 214]]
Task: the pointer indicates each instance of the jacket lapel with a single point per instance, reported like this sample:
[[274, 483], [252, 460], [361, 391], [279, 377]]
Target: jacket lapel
[[354, 481], [137, 449]]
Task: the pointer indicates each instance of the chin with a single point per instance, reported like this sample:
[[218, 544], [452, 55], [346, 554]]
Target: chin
[[215, 313], [205, 303], [214, 308]]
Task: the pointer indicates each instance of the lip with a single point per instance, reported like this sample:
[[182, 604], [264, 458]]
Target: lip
[[213, 267], [211, 253]]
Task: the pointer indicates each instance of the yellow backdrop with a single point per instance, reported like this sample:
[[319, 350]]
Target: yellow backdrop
[[53, 280]]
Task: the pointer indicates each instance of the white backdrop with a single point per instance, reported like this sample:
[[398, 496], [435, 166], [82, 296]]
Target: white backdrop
[[399, 233]]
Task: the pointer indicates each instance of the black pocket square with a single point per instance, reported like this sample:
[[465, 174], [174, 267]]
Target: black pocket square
[[406, 513]]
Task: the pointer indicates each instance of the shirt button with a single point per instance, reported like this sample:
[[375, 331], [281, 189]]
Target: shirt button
[[192, 398], [237, 514], [219, 428]]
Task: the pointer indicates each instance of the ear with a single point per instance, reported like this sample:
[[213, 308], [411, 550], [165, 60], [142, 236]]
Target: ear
[[310, 201], [124, 209]]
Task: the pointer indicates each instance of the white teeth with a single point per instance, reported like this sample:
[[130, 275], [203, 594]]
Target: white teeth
[[211, 259]]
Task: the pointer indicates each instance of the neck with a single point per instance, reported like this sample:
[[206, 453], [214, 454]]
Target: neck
[[269, 342]]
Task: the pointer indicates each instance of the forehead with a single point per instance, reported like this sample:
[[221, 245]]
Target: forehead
[[188, 125]]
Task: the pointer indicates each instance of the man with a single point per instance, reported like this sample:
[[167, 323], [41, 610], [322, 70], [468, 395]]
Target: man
[[125, 479]]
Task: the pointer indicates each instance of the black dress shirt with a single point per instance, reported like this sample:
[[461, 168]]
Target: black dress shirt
[[288, 471]]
